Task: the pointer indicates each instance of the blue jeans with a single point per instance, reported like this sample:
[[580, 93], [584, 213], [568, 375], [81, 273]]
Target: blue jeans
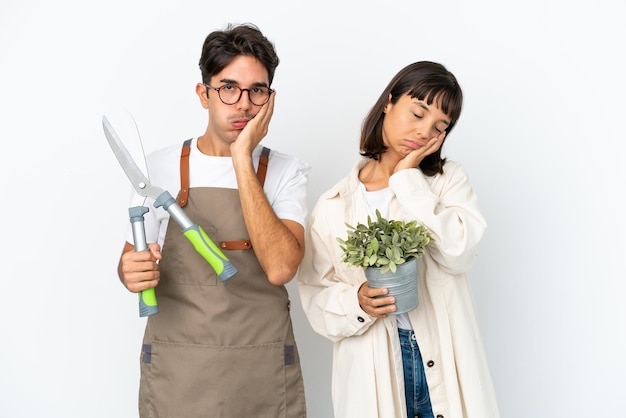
[[415, 387]]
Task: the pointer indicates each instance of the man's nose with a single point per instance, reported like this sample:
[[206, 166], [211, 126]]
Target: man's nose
[[244, 101]]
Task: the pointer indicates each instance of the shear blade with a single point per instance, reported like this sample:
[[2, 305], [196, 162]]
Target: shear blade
[[136, 176]]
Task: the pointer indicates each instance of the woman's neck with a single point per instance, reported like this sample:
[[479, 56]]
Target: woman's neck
[[375, 175]]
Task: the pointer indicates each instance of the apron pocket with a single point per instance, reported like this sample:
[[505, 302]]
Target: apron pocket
[[184, 265], [191, 380]]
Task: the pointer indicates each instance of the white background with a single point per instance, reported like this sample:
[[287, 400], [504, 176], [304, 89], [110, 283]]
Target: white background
[[541, 136]]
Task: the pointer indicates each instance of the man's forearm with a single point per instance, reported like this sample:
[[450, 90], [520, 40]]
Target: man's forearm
[[278, 246]]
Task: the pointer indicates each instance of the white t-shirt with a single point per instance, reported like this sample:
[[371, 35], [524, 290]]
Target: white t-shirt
[[285, 183]]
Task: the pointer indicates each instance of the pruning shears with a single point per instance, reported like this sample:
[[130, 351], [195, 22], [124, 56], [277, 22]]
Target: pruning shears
[[192, 231]]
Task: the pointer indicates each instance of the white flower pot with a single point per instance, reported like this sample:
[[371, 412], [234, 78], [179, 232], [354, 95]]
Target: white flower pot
[[402, 284]]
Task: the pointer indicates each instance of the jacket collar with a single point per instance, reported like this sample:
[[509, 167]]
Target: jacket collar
[[349, 184]]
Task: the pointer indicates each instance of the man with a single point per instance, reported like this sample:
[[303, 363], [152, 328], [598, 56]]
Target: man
[[224, 348]]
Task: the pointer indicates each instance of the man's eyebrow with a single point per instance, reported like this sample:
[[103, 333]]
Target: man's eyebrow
[[231, 81]]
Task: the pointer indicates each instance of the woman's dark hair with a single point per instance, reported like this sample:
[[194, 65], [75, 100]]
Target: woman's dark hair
[[222, 46], [424, 80]]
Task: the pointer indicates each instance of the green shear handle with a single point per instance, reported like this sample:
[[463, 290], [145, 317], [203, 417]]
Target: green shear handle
[[198, 238]]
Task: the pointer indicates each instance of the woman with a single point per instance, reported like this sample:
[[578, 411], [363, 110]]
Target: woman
[[428, 362]]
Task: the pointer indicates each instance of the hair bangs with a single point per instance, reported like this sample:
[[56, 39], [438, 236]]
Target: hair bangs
[[446, 97]]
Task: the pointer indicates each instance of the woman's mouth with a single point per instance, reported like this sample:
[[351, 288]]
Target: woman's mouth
[[413, 144]]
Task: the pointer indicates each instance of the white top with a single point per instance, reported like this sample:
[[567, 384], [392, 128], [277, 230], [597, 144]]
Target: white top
[[377, 199], [285, 183]]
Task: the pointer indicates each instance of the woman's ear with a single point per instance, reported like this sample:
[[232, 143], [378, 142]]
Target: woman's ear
[[386, 108]]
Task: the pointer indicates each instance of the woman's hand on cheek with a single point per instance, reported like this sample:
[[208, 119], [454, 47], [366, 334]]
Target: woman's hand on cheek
[[415, 157]]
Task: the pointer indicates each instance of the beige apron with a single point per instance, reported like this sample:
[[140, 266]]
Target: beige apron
[[218, 349]]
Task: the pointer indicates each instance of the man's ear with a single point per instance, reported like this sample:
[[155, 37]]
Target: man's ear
[[202, 93]]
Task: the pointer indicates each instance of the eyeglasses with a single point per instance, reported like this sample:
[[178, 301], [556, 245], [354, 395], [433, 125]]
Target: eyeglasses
[[230, 94]]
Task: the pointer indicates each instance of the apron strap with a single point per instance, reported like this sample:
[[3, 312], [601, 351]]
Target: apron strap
[[183, 193], [262, 170], [181, 199], [243, 244], [184, 171]]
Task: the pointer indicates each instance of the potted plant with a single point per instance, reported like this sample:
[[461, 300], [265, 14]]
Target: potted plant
[[388, 251]]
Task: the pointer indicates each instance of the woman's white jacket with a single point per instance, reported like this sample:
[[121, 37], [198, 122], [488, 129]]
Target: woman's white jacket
[[367, 379]]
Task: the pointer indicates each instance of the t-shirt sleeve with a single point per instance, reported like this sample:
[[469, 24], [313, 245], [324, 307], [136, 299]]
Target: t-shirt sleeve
[[290, 198]]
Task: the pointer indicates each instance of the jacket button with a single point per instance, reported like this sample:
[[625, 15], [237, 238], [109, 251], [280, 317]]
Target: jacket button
[[431, 364], [360, 319]]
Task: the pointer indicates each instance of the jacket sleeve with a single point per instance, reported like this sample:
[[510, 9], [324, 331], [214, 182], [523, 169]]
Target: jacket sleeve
[[329, 297], [448, 207]]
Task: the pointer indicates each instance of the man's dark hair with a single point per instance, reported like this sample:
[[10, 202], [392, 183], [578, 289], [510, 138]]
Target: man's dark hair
[[222, 46]]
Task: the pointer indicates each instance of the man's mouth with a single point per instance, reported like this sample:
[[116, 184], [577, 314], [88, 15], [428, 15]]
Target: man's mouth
[[240, 124]]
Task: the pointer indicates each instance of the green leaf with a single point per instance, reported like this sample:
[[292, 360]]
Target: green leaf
[[383, 243]]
